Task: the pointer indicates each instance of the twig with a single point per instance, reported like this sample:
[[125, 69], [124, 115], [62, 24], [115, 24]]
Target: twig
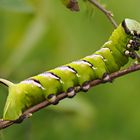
[[26, 114], [106, 12]]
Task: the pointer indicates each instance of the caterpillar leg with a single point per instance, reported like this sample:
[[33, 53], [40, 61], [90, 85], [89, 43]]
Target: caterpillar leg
[[23, 117], [85, 86], [131, 28], [52, 99], [106, 78], [71, 92], [133, 46]]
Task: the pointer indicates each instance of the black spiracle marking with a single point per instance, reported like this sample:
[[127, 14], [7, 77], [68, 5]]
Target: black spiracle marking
[[72, 69], [33, 81], [36, 81], [57, 77], [91, 65]]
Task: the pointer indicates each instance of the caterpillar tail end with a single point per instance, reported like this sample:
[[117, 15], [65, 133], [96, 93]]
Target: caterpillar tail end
[[6, 82]]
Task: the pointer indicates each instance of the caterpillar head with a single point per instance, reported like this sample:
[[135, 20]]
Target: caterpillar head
[[132, 28]]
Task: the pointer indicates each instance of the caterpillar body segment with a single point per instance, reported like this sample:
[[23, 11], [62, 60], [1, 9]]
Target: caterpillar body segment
[[75, 76], [67, 76], [116, 54], [98, 62], [52, 84], [108, 59], [83, 67]]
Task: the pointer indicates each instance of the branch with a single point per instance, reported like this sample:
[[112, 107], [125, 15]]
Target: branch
[[106, 12], [27, 113]]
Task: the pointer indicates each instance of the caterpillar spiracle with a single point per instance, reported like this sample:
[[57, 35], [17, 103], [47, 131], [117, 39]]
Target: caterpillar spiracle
[[75, 76]]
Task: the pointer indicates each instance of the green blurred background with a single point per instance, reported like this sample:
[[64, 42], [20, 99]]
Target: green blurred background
[[38, 35]]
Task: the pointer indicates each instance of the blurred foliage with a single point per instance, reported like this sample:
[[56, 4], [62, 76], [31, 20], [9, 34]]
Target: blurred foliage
[[38, 35]]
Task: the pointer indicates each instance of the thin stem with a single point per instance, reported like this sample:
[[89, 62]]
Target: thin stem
[[6, 82], [27, 113], [106, 12]]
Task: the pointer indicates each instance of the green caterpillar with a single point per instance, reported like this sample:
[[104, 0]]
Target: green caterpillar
[[74, 77]]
